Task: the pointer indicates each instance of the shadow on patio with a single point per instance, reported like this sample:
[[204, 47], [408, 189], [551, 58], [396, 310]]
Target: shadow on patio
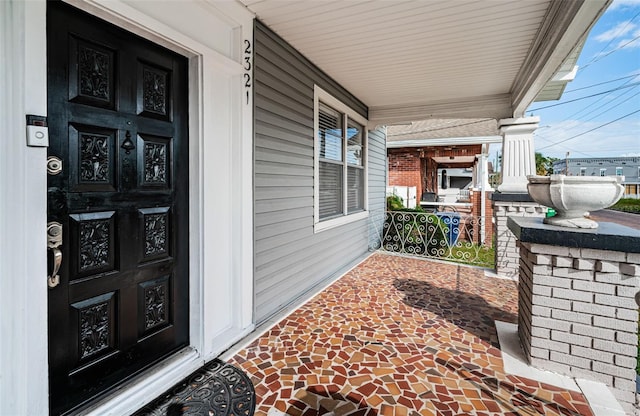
[[398, 336]]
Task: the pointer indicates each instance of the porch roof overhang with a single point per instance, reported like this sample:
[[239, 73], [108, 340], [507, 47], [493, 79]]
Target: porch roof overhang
[[414, 60]]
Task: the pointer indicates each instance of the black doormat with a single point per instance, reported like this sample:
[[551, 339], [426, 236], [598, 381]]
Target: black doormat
[[217, 389]]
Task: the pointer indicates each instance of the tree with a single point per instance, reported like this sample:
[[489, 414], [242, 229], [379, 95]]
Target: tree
[[544, 164]]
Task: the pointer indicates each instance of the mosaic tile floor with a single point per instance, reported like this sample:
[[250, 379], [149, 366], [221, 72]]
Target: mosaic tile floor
[[398, 336]]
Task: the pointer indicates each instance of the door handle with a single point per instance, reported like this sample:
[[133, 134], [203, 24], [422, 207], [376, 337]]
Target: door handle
[[54, 240], [53, 279]]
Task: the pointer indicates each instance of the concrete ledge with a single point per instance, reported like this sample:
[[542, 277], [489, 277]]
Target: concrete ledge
[[608, 236]]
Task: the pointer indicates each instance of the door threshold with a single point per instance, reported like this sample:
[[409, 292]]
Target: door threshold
[[146, 386]]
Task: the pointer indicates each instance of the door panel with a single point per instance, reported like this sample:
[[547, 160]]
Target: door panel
[[92, 158], [117, 111], [92, 239]]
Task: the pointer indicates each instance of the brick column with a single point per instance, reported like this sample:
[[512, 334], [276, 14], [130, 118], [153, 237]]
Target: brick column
[[475, 197], [577, 313], [507, 258]]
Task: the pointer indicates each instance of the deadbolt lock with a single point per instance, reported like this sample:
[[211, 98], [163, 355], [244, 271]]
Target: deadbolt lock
[[54, 165], [54, 234]]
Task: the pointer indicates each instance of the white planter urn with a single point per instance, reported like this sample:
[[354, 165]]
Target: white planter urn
[[572, 196]]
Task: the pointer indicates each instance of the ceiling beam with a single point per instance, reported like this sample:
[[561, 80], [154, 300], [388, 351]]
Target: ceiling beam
[[491, 106], [447, 141]]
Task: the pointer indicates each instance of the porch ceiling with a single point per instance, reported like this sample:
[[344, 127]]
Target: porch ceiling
[[412, 60]]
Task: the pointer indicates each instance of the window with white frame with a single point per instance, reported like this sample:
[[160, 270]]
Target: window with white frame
[[583, 171], [618, 171], [340, 162], [603, 172]]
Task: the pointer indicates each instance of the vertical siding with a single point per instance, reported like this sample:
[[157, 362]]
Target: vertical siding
[[290, 258]]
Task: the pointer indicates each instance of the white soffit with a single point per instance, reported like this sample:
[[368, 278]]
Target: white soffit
[[425, 58]]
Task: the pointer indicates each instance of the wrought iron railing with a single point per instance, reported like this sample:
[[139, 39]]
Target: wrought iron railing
[[445, 235]]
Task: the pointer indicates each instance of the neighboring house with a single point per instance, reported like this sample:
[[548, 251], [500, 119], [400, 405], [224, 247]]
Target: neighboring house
[[629, 167], [209, 163], [441, 157]]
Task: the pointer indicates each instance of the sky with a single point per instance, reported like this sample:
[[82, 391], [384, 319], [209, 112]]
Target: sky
[[611, 58]]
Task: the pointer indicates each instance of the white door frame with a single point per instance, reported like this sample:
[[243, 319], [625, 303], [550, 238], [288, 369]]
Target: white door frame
[[220, 176]]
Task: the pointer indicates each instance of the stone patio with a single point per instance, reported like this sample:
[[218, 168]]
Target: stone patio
[[398, 336]]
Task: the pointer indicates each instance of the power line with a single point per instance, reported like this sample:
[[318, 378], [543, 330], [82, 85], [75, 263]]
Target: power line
[[583, 98], [602, 83], [608, 103], [593, 129], [611, 51], [596, 101], [595, 59], [575, 151], [610, 108], [582, 151], [617, 149], [546, 139]]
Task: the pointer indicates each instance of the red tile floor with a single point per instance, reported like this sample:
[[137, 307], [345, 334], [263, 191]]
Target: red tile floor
[[398, 336]]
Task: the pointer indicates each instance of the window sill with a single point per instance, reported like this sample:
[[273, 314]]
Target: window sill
[[337, 222]]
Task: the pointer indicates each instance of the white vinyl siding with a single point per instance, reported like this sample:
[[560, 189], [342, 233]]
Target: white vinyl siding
[[290, 259]]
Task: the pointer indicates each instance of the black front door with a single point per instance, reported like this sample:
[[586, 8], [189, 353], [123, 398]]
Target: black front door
[[117, 113]]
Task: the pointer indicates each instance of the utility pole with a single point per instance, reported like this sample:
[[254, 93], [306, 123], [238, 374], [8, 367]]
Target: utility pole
[[566, 164]]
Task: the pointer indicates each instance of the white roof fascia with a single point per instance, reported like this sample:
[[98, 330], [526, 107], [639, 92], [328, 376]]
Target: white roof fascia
[[446, 141]]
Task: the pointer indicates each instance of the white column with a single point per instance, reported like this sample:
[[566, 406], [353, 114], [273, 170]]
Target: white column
[[481, 172], [518, 156], [475, 178], [24, 380]]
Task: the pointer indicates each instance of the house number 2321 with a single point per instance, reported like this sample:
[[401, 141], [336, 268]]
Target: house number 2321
[[247, 69]]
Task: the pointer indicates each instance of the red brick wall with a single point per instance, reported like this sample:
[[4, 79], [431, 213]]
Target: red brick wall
[[476, 211], [404, 170]]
